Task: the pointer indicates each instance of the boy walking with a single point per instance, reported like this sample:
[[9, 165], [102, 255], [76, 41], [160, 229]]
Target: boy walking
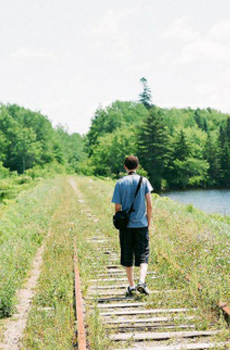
[[134, 239]]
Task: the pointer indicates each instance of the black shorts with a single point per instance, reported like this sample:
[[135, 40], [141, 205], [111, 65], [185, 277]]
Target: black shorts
[[134, 242]]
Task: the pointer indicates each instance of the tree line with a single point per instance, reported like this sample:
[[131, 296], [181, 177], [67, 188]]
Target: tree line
[[177, 148], [27, 139]]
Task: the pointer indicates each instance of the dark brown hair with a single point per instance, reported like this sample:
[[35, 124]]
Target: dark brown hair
[[131, 162]]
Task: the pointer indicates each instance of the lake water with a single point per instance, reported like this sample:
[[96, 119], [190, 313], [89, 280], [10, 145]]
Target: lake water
[[210, 201]]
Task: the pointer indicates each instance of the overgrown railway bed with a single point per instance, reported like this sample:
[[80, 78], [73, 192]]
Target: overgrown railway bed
[[168, 319], [135, 323]]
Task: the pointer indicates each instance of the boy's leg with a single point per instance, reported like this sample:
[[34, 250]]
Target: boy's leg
[[142, 249], [143, 272], [126, 244], [142, 256], [129, 272]]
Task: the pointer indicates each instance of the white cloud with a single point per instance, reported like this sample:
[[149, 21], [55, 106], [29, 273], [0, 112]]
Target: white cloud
[[216, 86], [221, 31], [212, 46], [181, 30], [109, 35], [203, 50], [108, 24], [214, 91], [33, 53]]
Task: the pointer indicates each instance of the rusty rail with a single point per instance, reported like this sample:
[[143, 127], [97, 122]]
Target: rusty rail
[[223, 306], [81, 333]]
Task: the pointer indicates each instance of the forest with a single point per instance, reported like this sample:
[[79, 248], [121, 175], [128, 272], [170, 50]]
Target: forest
[[28, 140], [177, 148]]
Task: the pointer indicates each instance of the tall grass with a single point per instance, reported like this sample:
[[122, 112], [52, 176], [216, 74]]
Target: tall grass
[[23, 226], [97, 200], [198, 242], [51, 320]]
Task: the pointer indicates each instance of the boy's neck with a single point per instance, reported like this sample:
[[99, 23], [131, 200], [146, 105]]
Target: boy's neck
[[131, 172]]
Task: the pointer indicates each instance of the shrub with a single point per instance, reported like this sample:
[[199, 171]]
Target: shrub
[[4, 172]]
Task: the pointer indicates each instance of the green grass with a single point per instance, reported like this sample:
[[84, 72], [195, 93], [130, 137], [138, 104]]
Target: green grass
[[11, 186], [197, 242], [51, 319], [97, 195], [23, 226], [182, 233]]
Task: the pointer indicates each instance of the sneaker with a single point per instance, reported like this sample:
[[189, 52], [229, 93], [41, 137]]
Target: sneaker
[[130, 292], [142, 288]]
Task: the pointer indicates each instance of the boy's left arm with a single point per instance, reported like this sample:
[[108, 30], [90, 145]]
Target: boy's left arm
[[117, 207], [149, 208]]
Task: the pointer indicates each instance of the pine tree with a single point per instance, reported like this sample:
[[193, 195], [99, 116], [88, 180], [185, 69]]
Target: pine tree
[[182, 148], [200, 120], [145, 96], [228, 131], [180, 152], [225, 165], [153, 146], [224, 153], [222, 137], [211, 155]]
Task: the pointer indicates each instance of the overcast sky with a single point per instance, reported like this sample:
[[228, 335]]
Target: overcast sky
[[67, 57]]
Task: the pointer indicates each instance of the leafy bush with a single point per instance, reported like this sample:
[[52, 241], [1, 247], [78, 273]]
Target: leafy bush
[[23, 179], [4, 172], [46, 171], [190, 208]]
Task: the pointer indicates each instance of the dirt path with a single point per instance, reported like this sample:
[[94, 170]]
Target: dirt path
[[15, 325]]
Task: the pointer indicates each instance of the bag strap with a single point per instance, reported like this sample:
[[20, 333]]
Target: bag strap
[[137, 190]]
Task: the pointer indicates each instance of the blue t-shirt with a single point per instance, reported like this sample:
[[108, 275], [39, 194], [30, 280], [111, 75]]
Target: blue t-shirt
[[123, 194]]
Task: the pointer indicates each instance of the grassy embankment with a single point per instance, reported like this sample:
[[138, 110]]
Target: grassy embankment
[[51, 320], [24, 224]]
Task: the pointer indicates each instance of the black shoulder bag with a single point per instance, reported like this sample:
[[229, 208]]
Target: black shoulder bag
[[121, 218]]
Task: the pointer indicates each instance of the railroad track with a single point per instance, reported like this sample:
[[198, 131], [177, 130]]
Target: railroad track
[[135, 323]]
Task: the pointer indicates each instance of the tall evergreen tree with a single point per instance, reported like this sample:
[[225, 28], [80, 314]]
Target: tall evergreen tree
[[145, 95], [200, 120], [211, 155], [224, 153], [225, 165], [179, 152], [222, 137], [228, 130], [153, 146], [182, 148]]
